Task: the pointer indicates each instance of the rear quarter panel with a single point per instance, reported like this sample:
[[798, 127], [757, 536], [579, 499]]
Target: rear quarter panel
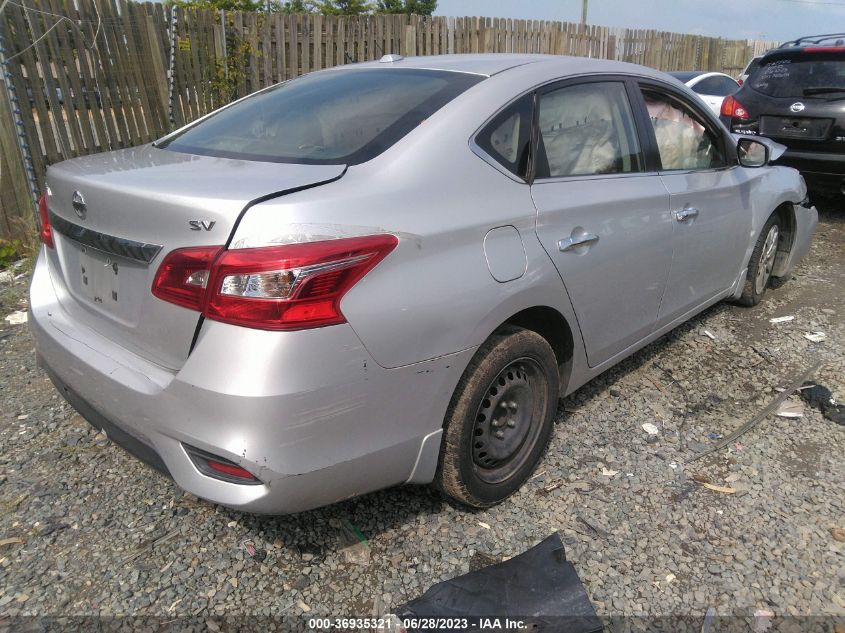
[[434, 294]]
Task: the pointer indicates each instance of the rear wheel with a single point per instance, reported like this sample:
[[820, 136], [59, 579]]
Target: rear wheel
[[500, 418], [762, 262]]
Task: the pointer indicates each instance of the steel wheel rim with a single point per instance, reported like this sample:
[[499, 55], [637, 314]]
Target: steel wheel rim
[[767, 259], [509, 420]]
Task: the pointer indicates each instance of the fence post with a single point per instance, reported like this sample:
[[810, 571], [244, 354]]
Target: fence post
[[163, 87], [410, 41], [17, 173], [223, 43], [171, 71]]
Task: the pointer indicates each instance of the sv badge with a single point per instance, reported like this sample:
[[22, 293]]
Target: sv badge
[[199, 225]]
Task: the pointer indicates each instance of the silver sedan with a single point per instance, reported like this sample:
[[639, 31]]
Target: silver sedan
[[390, 272]]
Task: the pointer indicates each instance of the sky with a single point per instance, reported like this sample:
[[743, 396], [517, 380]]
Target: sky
[[734, 19]]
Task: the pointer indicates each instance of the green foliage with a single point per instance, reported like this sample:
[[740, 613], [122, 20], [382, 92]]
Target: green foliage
[[417, 7], [10, 252], [227, 5], [326, 7], [289, 7], [230, 72], [344, 7]]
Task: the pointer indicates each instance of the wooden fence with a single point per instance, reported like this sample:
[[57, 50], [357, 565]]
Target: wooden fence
[[85, 76]]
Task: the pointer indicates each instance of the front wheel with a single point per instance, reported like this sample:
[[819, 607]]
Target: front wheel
[[500, 418], [761, 264]]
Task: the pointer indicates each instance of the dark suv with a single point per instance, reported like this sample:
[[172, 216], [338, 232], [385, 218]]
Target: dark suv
[[797, 97]]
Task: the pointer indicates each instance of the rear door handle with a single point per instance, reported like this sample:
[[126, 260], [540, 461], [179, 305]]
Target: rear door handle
[[573, 242], [687, 213]]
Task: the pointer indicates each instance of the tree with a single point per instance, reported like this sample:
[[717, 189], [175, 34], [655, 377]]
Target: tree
[[295, 6], [344, 7], [417, 7], [227, 5], [326, 7]]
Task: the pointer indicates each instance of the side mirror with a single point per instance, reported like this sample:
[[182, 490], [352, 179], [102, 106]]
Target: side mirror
[[752, 153]]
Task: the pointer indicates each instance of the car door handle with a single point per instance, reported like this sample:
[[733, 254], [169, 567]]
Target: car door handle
[[687, 213], [574, 242]]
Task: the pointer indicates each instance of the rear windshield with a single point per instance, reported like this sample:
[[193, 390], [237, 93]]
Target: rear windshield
[[335, 117], [753, 65], [803, 76]]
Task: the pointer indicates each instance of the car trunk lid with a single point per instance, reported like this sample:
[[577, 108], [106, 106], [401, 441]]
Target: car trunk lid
[[117, 215]]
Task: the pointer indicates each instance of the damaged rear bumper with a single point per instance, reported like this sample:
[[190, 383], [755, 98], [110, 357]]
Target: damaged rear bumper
[[308, 413]]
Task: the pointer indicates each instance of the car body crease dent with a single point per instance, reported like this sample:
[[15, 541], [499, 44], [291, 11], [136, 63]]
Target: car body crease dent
[[247, 207]]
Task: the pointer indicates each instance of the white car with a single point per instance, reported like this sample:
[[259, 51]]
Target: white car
[[711, 87]]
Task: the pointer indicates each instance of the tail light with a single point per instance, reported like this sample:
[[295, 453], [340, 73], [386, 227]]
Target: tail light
[[46, 232], [734, 109], [740, 81], [183, 276], [290, 287]]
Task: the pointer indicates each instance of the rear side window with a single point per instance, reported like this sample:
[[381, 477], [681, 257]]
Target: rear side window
[[800, 76], [587, 129], [716, 86], [508, 136], [334, 117]]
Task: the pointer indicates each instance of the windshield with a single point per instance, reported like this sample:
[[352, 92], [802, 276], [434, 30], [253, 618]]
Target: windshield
[[799, 77], [335, 117]]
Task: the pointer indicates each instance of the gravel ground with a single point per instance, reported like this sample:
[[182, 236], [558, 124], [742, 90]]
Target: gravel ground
[[102, 534]]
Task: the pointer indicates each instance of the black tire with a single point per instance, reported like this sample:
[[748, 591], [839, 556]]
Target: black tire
[[500, 419], [760, 265]]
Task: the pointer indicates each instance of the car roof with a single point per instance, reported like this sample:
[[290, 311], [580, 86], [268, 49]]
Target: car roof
[[478, 64], [831, 39], [686, 75], [695, 77], [489, 64], [831, 44]]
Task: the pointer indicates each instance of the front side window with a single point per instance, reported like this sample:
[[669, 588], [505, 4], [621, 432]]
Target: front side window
[[333, 117], [683, 141], [587, 129]]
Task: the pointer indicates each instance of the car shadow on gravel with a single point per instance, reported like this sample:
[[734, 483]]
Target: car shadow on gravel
[[317, 532], [610, 380]]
